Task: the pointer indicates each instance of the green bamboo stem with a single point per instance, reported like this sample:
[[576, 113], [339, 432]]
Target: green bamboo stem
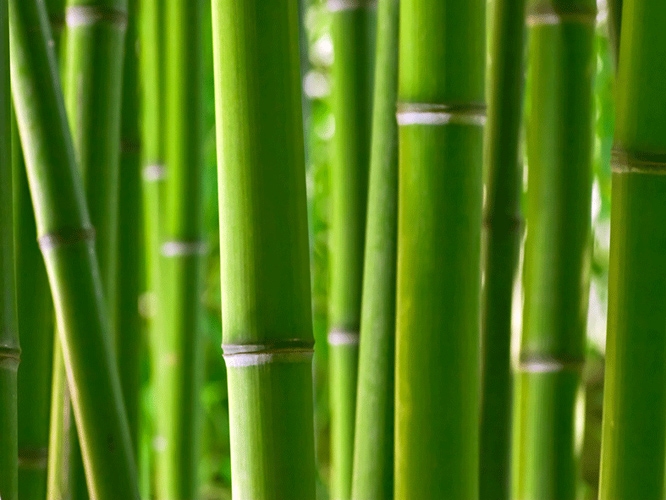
[[67, 242], [351, 28], [559, 124], [266, 309], [614, 28], [633, 434], [502, 223], [182, 246], [373, 442], [10, 351], [130, 259], [441, 114]]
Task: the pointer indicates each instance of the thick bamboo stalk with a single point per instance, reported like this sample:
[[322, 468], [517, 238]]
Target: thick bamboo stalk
[[503, 228], [10, 351], [351, 30], [633, 434], [441, 113], [130, 223], [177, 390], [267, 322], [559, 122], [373, 441], [66, 238]]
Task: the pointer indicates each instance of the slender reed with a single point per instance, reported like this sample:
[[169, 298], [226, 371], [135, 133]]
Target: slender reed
[[66, 239], [633, 434], [10, 352], [503, 224], [373, 442], [266, 309], [351, 23], [441, 113]]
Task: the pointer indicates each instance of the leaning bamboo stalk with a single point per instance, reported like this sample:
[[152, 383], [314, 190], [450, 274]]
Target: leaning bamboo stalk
[[502, 223], [441, 113], [559, 123], [633, 432], [66, 239], [373, 435], [266, 313], [351, 107], [10, 352]]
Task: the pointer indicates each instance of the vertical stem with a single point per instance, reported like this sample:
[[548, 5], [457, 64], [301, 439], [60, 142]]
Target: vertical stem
[[10, 351], [373, 443], [266, 309], [633, 433], [178, 384], [67, 242], [350, 161], [441, 113], [502, 222]]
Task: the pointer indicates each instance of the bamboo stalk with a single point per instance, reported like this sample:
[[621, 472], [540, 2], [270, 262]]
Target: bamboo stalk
[[182, 247], [614, 28], [503, 224], [559, 126], [441, 114], [266, 313], [10, 351], [633, 434], [66, 240], [373, 442], [351, 105], [130, 223]]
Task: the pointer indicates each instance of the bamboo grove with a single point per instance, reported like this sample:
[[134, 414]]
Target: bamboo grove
[[332, 249]]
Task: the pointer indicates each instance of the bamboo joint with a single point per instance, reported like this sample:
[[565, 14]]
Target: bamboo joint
[[10, 357], [76, 16], [343, 337], [282, 351], [33, 458], [66, 237], [637, 162], [342, 5], [550, 364], [184, 248], [154, 172], [547, 16], [410, 113]]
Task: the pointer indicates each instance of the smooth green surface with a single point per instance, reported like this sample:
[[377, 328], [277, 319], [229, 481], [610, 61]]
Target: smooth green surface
[[503, 230], [351, 104], [373, 443], [71, 263], [9, 341], [264, 245], [633, 435], [441, 62], [559, 123]]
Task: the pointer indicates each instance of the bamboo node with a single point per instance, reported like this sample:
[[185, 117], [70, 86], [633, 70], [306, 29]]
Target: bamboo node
[[66, 237], [441, 114], [281, 351], [341, 5], [636, 162], [550, 365], [184, 248], [10, 357], [154, 172], [343, 337], [83, 15], [33, 458], [550, 17]]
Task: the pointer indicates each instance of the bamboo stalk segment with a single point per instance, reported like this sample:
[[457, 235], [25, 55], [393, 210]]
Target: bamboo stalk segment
[[266, 309], [66, 239], [633, 434], [440, 118]]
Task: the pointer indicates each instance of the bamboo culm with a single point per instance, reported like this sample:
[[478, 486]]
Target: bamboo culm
[[633, 451], [67, 243], [373, 441], [440, 116], [266, 308]]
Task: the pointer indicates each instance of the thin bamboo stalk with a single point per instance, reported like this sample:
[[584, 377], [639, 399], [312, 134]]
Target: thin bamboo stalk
[[67, 242], [266, 313], [633, 434], [128, 321], [614, 27], [373, 441], [503, 225], [559, 124], [441, 113], [177, 389], [351, 29], [10, 351]]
